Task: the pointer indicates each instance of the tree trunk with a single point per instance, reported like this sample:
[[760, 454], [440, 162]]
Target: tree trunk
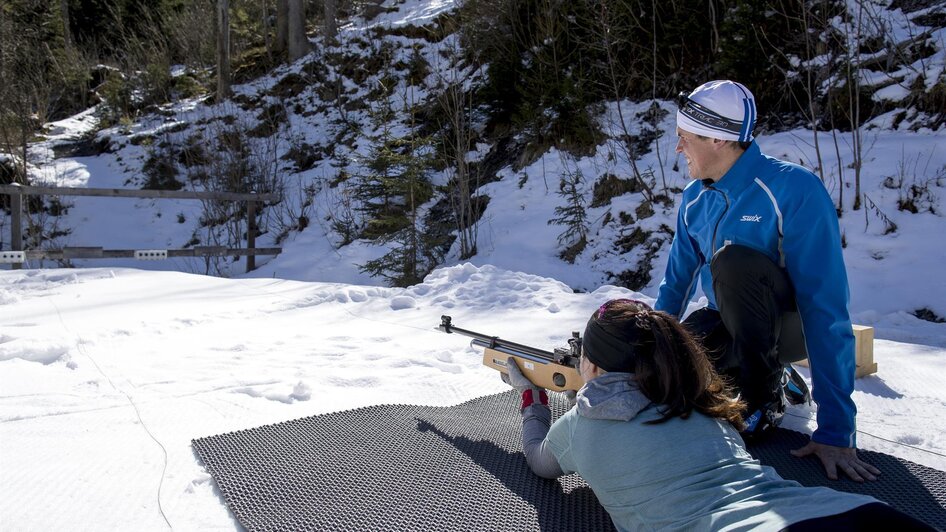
[[615, 66], [66, 30], [282, 26], [331, 27], [298, 43], [266, 40], [223, 49], [854, 82], [813, 108]]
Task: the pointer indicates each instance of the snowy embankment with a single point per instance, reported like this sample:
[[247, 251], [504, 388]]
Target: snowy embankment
[[107, 374]]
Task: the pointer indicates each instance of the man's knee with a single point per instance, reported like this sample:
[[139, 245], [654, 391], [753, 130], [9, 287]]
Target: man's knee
[[740, 272], [741, 263], [752, 293]]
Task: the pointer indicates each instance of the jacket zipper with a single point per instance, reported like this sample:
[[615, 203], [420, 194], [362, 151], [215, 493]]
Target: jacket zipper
[[720, 219]]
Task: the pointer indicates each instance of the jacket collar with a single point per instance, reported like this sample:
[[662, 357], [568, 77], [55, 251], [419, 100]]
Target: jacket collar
[[741, 174]]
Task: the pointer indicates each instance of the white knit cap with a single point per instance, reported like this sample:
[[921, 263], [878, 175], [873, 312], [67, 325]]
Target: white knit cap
[[720, 109]]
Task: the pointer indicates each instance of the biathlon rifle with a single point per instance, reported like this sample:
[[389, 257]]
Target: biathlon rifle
[[553, 370]]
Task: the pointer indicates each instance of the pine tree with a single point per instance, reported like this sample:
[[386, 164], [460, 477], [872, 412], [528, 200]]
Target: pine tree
[[396, 186], [392, 189], [572, 215]]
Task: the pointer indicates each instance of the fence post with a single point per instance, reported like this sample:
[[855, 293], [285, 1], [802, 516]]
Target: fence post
[[250, 234], [16, 227]]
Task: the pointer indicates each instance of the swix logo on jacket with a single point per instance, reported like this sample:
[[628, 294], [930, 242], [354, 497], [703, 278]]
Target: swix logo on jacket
[[794, 223]]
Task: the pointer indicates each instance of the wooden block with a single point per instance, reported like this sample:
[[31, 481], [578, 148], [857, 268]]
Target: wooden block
[[863, 352]]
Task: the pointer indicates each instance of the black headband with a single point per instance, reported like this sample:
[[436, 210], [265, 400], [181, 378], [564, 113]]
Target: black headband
[[607, 350]]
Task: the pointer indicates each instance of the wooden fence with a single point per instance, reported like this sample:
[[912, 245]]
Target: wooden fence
[[17, 255]]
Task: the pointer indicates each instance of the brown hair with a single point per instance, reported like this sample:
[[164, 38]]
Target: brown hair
[[670, 367]]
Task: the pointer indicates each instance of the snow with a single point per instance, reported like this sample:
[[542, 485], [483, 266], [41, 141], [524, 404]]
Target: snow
[[107, 374], [108, 371], [412, 12]]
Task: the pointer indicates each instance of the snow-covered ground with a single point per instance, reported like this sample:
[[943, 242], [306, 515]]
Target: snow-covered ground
[[107, 374]]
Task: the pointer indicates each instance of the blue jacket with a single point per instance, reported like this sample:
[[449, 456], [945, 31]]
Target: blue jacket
[[783, 211]]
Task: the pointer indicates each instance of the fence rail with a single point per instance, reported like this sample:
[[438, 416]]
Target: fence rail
[[136, 193], [99, 253], [16, 193]]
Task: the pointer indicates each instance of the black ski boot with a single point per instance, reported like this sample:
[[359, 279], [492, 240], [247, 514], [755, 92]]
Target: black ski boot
[[794, 387]]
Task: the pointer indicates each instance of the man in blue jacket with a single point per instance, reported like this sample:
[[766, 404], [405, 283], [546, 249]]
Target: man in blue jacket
[[761, 235]]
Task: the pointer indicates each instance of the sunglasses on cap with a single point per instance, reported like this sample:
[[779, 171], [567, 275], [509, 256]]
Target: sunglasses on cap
[[704, 115]]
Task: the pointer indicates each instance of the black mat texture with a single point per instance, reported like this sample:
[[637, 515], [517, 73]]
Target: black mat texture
[[408, 467]]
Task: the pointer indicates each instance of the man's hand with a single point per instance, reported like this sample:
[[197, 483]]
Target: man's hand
[[844, 458]]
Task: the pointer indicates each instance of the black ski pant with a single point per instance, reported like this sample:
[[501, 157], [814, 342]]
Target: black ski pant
[[871, 516], [753, 296]]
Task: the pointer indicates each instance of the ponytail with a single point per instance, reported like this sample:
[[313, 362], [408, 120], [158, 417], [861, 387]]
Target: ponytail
[[669, 366]]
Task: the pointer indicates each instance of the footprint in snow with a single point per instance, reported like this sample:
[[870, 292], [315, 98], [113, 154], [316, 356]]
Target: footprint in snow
[[300, 392], [35, 351], [910, 439], [403, 302], [421, 289], [357, 296], [199, 482]]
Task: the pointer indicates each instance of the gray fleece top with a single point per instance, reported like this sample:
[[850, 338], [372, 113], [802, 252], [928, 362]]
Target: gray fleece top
[[682, 474]]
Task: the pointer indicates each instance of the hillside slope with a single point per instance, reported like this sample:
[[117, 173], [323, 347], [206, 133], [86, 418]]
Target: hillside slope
[[314, 130]]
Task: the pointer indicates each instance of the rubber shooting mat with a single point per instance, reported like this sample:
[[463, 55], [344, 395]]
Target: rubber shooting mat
[[408, 467]]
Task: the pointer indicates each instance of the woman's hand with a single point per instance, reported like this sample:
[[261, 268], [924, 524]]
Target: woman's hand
[[515, 378]]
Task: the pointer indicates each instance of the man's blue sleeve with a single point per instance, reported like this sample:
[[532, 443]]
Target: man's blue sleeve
[[815, 264], [683, 270]]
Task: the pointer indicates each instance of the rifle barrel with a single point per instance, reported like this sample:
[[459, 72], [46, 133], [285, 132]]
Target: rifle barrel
[[512, 348], [495, 342]]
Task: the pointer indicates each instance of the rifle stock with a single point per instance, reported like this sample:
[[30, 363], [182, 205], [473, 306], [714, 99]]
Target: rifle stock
[[553, 370]]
